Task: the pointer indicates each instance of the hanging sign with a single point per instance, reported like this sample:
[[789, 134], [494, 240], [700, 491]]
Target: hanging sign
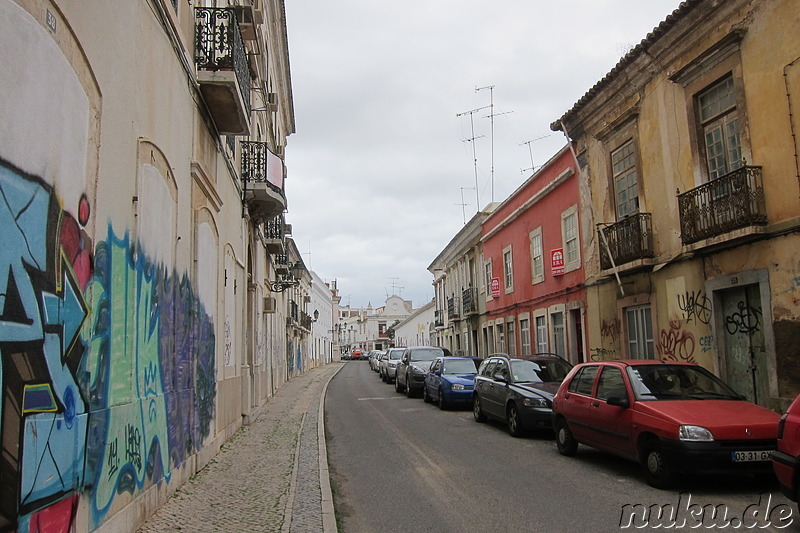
[[557, 261], [495, 287]]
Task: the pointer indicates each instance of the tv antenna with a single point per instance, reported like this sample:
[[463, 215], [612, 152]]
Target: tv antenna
[[472, 140], [491, 116], [395, 286], [463, 204], [532, 167]]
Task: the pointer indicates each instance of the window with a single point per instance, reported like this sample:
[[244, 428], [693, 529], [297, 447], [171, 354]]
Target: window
[[640, 332], [719, 120], [541, 334], [537, 256], [583, 380], [511, 337], [611, 384], [508, 270], [525, 335], [488, 273], [501, 340], [559, 339], [626, 179], [569, 235]]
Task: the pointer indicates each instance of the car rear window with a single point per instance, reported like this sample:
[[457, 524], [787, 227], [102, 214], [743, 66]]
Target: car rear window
[[395, 354], [459, 366], [426, 354], [583, 380]]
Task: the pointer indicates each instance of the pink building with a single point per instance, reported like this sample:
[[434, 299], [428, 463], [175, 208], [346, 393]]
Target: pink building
[[532, 257]]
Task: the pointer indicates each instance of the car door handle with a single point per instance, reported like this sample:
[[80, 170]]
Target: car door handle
[[595, 404]]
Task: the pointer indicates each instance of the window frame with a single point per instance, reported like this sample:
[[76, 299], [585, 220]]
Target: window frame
[[508, 269], [571, 213], [537, 261]]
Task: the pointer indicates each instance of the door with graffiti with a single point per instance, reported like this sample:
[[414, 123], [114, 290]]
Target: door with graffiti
[[745, 348]]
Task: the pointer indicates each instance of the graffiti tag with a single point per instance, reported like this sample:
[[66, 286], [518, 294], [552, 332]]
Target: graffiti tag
[[746, 319], [695, 306]]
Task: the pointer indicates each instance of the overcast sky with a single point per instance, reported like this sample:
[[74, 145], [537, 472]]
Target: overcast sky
[[376, 169]]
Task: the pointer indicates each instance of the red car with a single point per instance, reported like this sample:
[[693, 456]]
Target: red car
[[356, 355], [673, 418], [786, 460]]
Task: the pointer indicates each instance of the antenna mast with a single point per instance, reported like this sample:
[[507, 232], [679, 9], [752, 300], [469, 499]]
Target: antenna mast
[[472, 140], [491, 117], [530, 152]]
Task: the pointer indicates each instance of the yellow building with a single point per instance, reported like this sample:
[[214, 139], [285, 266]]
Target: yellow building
[[690, 189]]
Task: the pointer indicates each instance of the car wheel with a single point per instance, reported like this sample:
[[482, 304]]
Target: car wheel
[[425, 396], [477, 412], [383, 377], [514, 423], [409, 391], [656, 466], [397, 386], [441, 401], [565, 442]]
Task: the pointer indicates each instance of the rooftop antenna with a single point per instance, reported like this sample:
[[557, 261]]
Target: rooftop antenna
[[491, 117], [532, 167], [395, 287], [472, 140], [463, 204]]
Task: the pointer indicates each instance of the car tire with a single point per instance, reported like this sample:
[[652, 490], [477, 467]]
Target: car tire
[[515, 428], [565, 441], [425, 396], [657, 470], [409, 390], [441, 401], [477, 411], [397, 386]]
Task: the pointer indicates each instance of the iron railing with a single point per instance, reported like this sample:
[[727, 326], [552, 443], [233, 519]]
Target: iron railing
[[469, 299], [732, 201], [628, 240], [453, 310], [274, 227], [254, 164], [219, 46]]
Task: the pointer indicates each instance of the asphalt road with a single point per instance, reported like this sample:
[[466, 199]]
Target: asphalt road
[[401, 465]]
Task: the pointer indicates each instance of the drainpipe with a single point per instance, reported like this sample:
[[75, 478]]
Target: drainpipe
[[791, 115]]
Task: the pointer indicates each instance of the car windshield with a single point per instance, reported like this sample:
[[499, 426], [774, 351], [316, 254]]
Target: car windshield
[[459, 366], [677, 382], [426, 354], [525, 371], [553, 370], [395, 354]]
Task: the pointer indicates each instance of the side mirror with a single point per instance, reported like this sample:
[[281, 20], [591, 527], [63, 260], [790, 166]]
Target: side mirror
[[618, 401], [501, 378]]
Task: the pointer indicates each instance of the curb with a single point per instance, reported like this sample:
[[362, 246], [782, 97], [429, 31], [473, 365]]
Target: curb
[[328, 512]]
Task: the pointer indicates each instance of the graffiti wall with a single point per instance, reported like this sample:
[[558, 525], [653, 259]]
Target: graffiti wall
[[107, 371]]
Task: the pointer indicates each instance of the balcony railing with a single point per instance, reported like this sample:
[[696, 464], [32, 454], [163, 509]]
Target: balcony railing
[[274, 234], [262, 174], [628, 240], [222, 69], [469, 297], [281, 262], [733, 201], [453, 310]]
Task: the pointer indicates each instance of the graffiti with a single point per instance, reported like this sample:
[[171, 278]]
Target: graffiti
[[675, 344], [796, 282], [695, 306], [602, 354], [746, 320], [610, 329], [706, 343], [106, 362], [228, 342]]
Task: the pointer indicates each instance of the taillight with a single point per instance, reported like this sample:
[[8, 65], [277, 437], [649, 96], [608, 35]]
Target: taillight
[[781, 423]]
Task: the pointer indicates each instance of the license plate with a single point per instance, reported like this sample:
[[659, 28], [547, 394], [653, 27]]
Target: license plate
[[748, 457]]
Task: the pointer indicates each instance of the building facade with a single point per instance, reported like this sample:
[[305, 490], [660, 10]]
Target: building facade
[[688, 154], [416, 329], [145, 250]]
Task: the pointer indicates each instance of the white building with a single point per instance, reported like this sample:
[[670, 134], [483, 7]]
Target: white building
[[416, 329]]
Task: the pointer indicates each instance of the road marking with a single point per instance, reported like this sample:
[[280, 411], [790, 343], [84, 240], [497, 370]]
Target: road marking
[[381, 398]]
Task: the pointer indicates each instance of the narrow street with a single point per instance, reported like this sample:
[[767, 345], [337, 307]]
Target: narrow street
[[399, 464]]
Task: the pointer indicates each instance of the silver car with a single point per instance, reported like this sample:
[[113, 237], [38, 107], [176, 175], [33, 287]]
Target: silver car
[[388, 366]]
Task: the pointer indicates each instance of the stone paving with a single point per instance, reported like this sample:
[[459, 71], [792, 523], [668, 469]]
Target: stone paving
[[272, 476]]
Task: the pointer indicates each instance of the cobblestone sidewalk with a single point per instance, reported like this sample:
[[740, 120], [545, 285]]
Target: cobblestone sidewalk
[[267, 477]]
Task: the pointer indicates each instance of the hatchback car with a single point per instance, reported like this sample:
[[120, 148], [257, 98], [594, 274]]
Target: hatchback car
[[518, 391], [786, 459], [672, 418], [413, 367], [450, 380], [388, 364]]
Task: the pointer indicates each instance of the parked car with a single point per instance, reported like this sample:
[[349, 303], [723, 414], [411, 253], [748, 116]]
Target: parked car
[[449, 380], [672, 418], [786, 459], [356, 355], [388, 369], [413, 367], [373, 359], [518, 391]]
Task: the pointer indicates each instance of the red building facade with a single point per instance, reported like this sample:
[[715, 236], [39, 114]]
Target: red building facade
[[533, 266]]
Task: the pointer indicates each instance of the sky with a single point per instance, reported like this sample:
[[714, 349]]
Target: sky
[[402, 107]]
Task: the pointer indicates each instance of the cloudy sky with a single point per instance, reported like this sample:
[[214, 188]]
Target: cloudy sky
[[381, 159]]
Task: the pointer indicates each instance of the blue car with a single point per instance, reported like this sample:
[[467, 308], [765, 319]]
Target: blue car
[[450, 380]]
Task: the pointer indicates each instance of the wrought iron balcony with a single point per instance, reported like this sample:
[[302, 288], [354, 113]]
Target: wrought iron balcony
[[281, 262], [730, 202], [274, 234], [438, 318], [453, 310], [628, 240], [262, 174], [469, 297], [222, 69]]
